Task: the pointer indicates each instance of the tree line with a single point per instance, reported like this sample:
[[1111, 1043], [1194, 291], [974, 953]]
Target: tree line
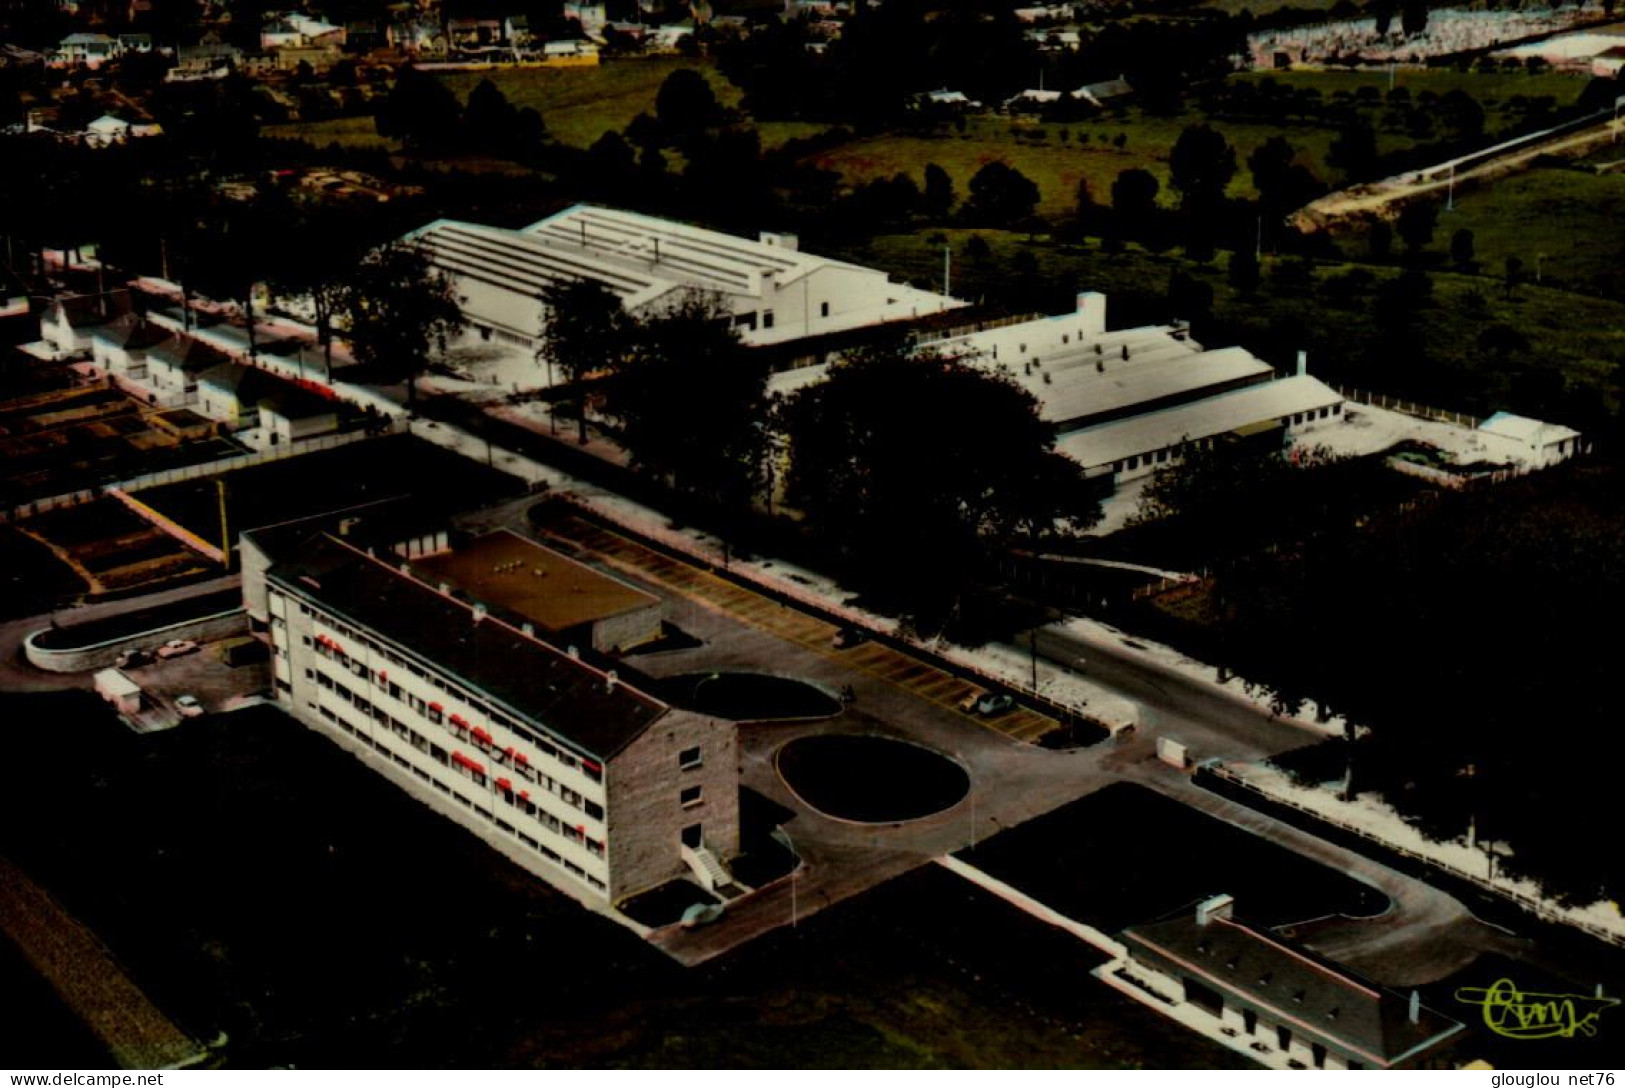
[[912, 471]]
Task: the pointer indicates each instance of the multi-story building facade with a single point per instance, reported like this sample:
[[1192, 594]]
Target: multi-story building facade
[[601, 789]]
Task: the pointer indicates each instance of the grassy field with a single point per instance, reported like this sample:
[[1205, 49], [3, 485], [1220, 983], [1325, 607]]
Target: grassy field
[[1566, 220], [578, 105], [1056, 163], [239, 866], [1056, 156], [350, 133]]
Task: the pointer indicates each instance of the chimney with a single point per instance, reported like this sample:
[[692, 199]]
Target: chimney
[[1416, 1007], [445, 587], [479, 612], [1214, 907], [1092, 312], [610, 680], [575, 654], [1303, 363], [779, 240], [529, 629]]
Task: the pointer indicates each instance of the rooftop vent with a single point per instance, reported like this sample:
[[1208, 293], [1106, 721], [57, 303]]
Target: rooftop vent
[[1213, 908]]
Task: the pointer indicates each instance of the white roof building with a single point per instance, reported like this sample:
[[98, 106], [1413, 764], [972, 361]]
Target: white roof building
[[1145, 442], [1128, 401], [1529, 441], [776, 292]]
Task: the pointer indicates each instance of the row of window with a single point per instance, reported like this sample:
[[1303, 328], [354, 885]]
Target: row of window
[[1163, 456], [333, 651], [592, 808], [575, 834]]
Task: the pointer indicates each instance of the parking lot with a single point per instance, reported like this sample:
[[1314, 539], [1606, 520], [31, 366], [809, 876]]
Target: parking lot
[[202, 674], [882, 662]]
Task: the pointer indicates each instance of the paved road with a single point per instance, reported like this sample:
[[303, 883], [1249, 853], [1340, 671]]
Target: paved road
[[1210, 720], [17, 675], [1375, 197], [1425, 934]]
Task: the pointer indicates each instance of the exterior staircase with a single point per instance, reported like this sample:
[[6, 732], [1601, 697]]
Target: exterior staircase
[[709, 870]]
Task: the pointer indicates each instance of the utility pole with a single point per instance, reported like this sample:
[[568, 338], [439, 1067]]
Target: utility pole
[[1032, 653], [1450, 197], [225, 532], [947, 268]]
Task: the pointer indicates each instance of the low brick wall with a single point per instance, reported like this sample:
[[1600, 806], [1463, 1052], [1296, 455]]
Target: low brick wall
[[103, 654]]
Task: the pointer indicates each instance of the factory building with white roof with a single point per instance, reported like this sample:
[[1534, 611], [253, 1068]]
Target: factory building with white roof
[[776, 292], [1126, 402]]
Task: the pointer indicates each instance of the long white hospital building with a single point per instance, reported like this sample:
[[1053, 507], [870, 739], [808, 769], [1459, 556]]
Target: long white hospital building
[[602, 789], [776, 292]]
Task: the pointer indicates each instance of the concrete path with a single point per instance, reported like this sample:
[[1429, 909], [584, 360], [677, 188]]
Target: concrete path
[[17, 675], [1425, 934]]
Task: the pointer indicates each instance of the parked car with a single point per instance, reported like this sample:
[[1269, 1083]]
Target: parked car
[[989, 705], [177, 647], [133, 659], [847, 637], [968, 703], [188, 706]]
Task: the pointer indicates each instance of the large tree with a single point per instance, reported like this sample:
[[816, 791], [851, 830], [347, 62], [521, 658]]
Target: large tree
[[1200, 166], [1000, 195], [421, 112], [917, 469], [396, 308], [689, 402], [686, 104], [586, 333]]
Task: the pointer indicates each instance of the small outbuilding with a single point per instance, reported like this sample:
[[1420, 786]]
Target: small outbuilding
[[1529, 441], [124, 694]]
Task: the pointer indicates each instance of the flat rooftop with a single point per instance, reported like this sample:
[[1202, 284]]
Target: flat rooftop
[[566, 697], [553, 591]]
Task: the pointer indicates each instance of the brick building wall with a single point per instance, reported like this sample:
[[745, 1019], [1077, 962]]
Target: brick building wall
[[647, 812]]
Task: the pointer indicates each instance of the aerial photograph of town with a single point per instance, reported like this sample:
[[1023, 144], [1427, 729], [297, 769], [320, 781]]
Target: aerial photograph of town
[[807, 534]]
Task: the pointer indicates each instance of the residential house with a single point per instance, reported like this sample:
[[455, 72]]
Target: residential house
[[67, 323], [292, 415], [231, 393], [120, 346], [85, 50], [173, 368]]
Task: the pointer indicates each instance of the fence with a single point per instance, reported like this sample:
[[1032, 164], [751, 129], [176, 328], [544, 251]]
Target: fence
[[1534, 904], [925, 338], [1457, 481], [199, 471], [1409, 408]]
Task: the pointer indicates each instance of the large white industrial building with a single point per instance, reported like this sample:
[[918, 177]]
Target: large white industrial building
[[1126, 402], [776, 292]]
